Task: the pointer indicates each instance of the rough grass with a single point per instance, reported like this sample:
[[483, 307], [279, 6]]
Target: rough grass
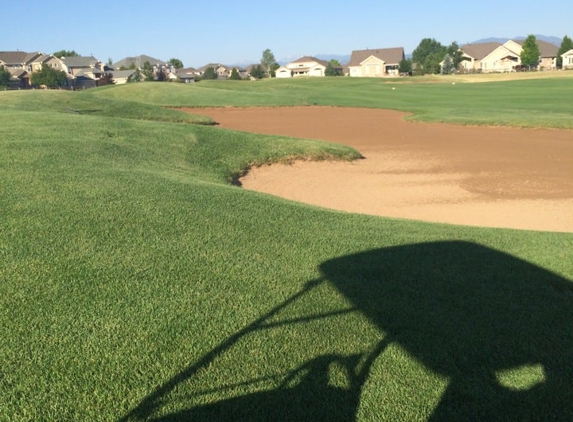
[[137, 284]]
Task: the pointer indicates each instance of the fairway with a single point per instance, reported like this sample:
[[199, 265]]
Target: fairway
[[139, 283], [480, 176]]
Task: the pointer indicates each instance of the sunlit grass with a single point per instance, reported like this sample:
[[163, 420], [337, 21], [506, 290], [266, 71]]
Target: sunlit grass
[[137, 283]]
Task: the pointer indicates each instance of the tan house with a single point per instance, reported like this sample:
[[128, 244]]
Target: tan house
[[120, 77], [473, 54], [305, 66], [567, 60], [505, 57], [84, 65], [21, 65], [222, 71], [381, 62]]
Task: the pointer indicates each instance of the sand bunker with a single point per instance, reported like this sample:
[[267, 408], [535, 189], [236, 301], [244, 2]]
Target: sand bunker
[[479, 176]]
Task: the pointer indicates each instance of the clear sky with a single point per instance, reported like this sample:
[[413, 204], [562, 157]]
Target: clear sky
[[236, 32]]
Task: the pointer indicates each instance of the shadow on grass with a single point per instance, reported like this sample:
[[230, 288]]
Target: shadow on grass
[[471, 314], [466, 312]]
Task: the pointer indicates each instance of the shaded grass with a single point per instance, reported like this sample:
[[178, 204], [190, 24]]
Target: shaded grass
[[135, 282]]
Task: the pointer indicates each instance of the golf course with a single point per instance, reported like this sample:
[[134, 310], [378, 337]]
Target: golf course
[[140, 282]]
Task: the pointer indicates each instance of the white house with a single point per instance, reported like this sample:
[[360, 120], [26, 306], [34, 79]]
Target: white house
[[305, 66], [567, 60]]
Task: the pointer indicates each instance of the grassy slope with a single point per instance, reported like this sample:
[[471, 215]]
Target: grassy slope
[[126, 259]]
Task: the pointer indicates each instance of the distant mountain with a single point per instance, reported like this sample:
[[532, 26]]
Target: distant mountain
[[342, 58], [549, 39]]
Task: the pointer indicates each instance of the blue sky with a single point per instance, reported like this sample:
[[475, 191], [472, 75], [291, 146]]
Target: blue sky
[[236, 32]]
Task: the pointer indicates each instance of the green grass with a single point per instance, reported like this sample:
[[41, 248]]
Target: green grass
[[137, 284], [524, 103]]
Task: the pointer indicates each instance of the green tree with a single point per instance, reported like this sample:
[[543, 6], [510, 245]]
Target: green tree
[[176, 63], [267, 61], [235, 75], [405, 66], [65, 53], [274, 68], [258, 72], [330, 70], [566, 45], [49, 77], [448, 66], [4, 77], [210, 73], [147, 71], [428, 56], [530, 54], [455, 54], [333, 68], [135, 77]]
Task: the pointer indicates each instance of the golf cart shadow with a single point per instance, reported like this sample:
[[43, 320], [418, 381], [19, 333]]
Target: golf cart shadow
[[471, 313], [310, 398], [466, 312]]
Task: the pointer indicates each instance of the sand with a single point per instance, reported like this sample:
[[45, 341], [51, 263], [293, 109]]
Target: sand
[[468, 175]]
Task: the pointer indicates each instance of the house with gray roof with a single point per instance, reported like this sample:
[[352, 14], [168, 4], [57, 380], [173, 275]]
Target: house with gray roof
[[187, 75], [120, 77], [379, 62], [83, 64], [158, 66]]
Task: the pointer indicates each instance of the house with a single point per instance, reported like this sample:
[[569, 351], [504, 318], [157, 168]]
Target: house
[[120, 77], [84, 71], [85, 65], [21, 65], [19, 79], [221, 71], [138, 62], [567, 60], [473, 54], [507, 57], [379, 62], [187, 75], [305, 66]]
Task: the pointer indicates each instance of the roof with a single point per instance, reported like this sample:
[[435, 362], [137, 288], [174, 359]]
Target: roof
[[139, 61], [17, 73], [546, 49], [18, 57], [81, 61], [89, 72], [118, 74], [213, 65], [388, 55], [307, 59], [480, 50]]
